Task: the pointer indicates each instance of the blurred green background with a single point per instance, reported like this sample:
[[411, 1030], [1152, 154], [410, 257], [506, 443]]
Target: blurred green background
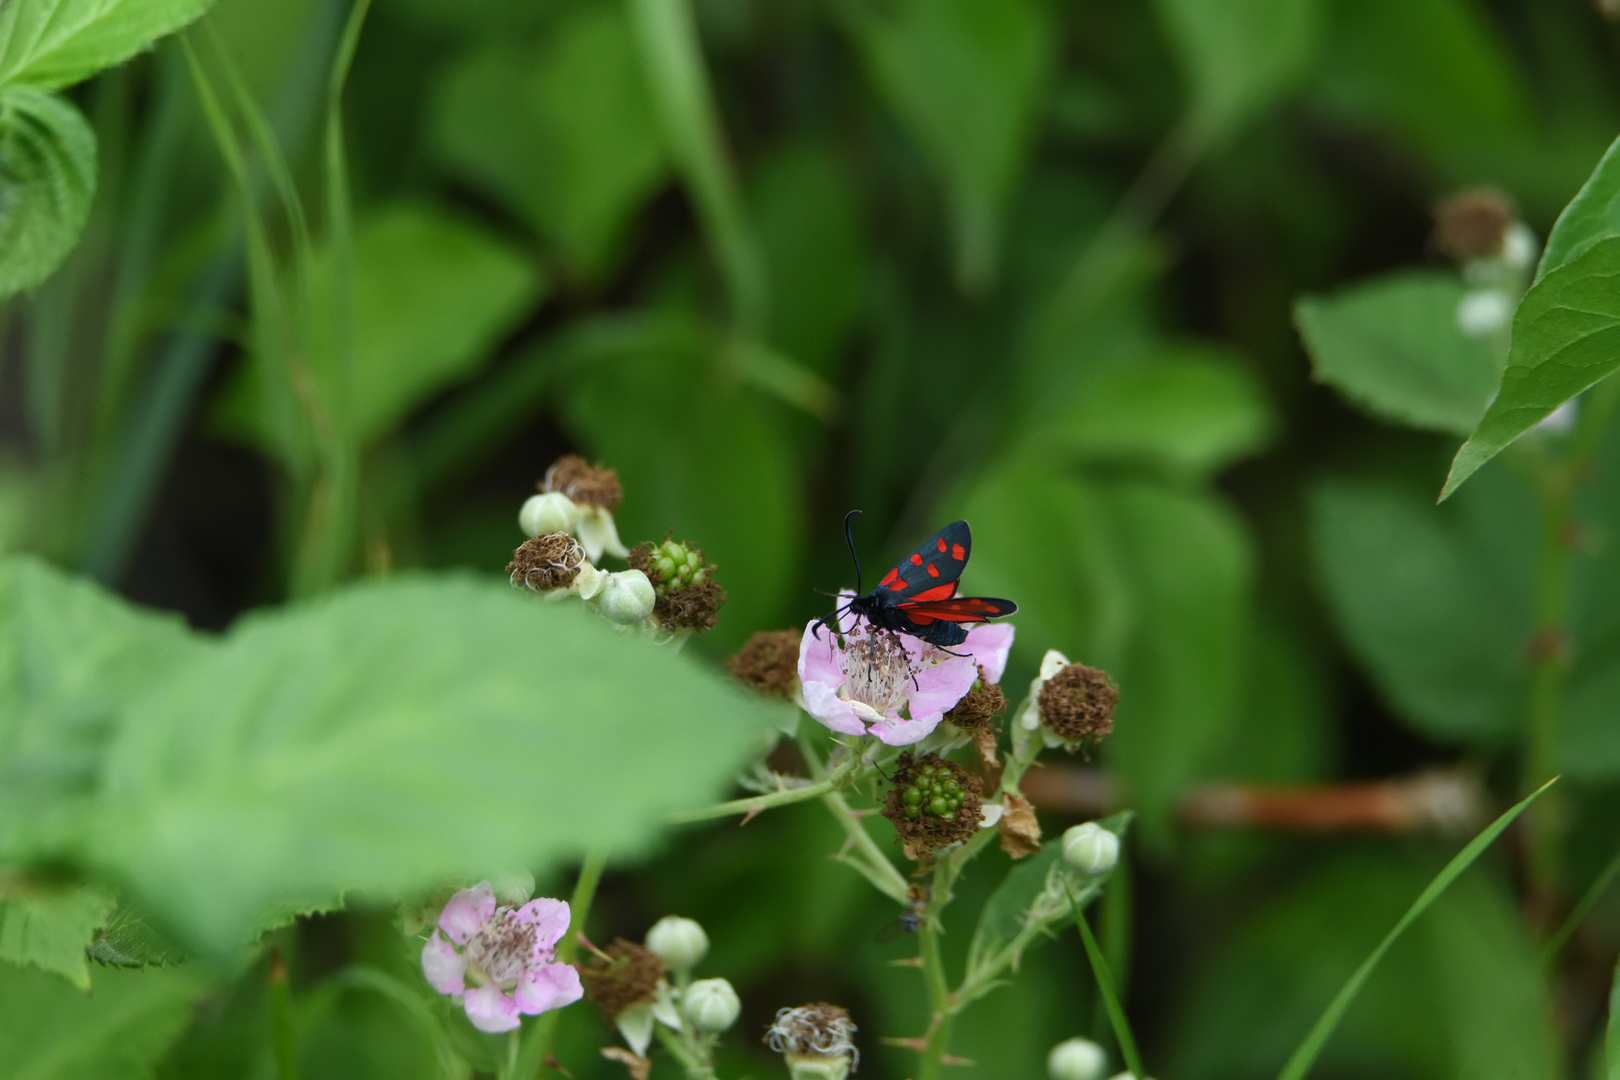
[[1028, 262]]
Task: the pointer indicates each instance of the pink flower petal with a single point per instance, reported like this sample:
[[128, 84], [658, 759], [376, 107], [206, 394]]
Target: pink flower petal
[[444, 968], [468, 910], [490, 1010], [549, 987], [989, 644], [933, 691], [550, 920], [894, 731], [822, 702], [820, 658]]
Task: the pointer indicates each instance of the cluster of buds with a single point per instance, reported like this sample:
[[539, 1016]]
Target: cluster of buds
[[815, 1041], [668, 588], [933, 803], [632, 985], [1070, 705]]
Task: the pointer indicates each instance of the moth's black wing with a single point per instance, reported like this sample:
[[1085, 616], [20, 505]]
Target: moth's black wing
[[930, 572]]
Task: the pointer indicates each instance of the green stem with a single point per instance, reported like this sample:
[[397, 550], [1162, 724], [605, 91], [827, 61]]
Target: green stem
[[536, 1047], [691, 1063], [1110, 996], [939, 996], [281, 1021], [766, 802], [867, 857]]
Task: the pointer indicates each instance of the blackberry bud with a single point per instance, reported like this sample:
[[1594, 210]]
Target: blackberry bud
[[981, 705], [584, 483], [1076, 1059], [547, 562], [933, 803], [626, 597], [1472, 224], [712, 1004], [769, 662], [1077, 704], [679, 943], [688, 597]]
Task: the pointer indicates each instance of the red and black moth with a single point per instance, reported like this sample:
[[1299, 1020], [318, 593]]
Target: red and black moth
[[918, 597]]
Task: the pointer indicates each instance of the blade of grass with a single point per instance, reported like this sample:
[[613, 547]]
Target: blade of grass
[[1589, 899], [673, 60], [1105, 986], [1303, 1057]]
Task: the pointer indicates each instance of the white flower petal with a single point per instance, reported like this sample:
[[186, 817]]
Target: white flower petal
[[636, 1026]]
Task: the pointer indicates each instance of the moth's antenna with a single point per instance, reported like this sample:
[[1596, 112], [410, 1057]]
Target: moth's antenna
[[849, 538]]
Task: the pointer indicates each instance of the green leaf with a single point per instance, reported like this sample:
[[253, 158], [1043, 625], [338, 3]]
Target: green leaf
[[1459, 995], [49, 926], [1393, 347], [130, 941], [118, 1032], [1189, 564], [1593, 214], [1003, 914], [47, 180], [966, 78], [1300, 1062], [71, 655], [51, 43], [1566, 337], [1190, 410], [467, 731], [1435, 603], [433, 295], [564, 133], [1240, 55]]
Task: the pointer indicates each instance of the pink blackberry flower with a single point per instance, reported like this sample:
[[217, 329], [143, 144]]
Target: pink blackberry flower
[[499, 961], [892, 685]]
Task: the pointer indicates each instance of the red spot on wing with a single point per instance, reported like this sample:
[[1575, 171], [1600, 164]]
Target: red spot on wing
[[958, 552], [933, 571], [941, 543], [916, 560], [896, 585], [890, 578], [938, 592]]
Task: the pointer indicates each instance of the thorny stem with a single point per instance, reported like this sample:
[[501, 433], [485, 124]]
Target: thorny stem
[[691, 1059], [939, 996], [755, 803], [537, 1040], [865, 856]]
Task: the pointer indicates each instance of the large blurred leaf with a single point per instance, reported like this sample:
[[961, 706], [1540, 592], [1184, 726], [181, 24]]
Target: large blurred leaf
[[1392, 345], [432, 296], [49, 926], [1459, 995], [47, 179], [565, 133], [52, 43], [466, 730], [702, 456], [1437, 603], [118, 1032], [1566, 337], [965, 77], [1240, 55], [1593, 214], [1433, 70], [803, 205], [71, 656], [1189, 563], [1190, 410]]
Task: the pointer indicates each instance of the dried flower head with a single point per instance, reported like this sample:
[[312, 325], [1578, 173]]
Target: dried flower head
[[982, 704], [1077, 704], [498, 960], [624, 975], [817, 1030], [688, 596], [933, 803], [1472, 224], [586, 484], [1020, 831], [769, 663], [547, 562]]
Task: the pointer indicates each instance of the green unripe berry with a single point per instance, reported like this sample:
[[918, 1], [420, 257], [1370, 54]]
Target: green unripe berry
[[939, 806], [700, 577], [913, 812], [912, 797], [692, 560], [666, 568], [673, 551], [952, 785]]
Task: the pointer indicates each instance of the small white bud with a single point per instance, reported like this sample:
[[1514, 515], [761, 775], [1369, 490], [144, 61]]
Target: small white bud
[[627, 597], [1076, 1059], [680, 943], [1483, 312], [816, 1067], [1125, 1076], [1519, 246], [1561, 421], [552, 512], [711, 1004], [1091, 849]]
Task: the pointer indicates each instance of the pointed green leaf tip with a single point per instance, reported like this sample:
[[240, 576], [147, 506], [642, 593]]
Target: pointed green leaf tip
[[1566, 338]]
